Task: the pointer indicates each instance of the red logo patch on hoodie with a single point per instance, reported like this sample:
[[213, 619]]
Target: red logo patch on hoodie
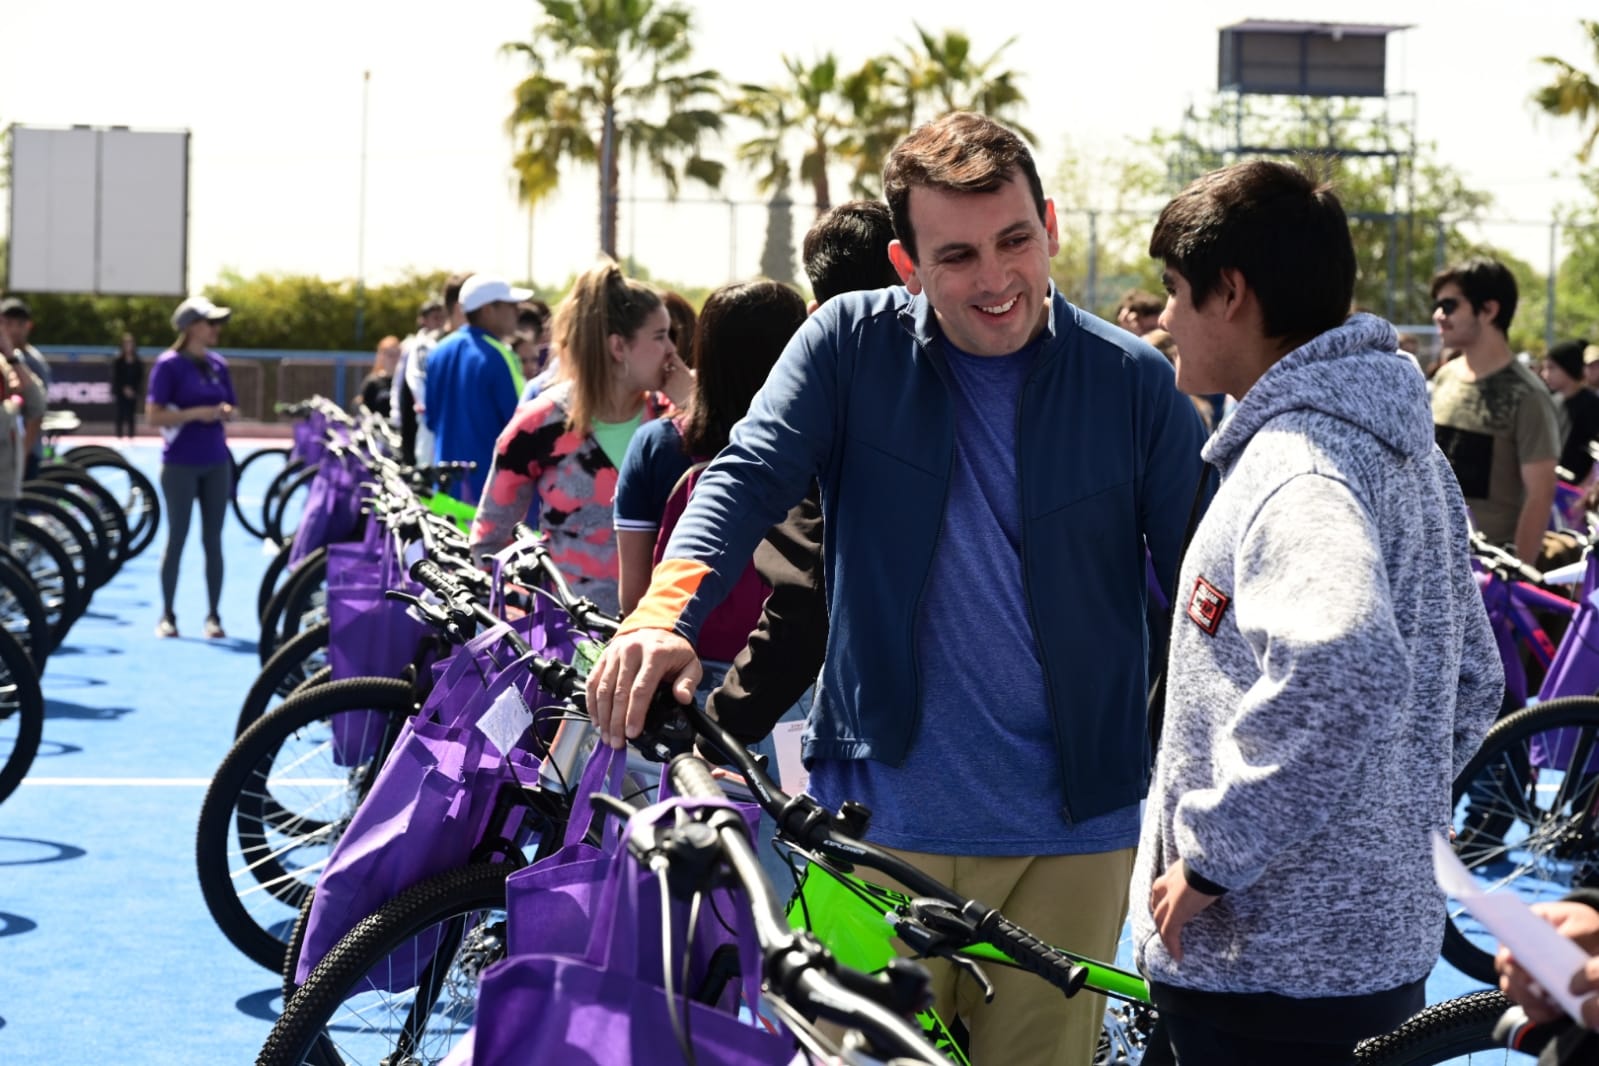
[[1206, 605]]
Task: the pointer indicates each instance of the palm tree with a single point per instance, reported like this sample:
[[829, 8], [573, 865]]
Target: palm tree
[[945, 73], [631, 93], [810, 104], [1574, 92]]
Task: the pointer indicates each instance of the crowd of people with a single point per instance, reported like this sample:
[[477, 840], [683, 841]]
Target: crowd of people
[[929, 512]]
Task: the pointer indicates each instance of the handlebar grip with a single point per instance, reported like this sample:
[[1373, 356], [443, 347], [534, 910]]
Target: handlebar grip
[[522, 531], [432, 577], [691, 777], [1032, 954]]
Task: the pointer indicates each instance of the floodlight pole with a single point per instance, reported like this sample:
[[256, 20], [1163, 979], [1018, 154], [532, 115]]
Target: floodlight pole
[[360, 216]]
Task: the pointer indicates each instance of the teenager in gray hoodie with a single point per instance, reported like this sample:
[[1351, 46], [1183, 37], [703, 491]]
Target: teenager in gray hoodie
[[1331, 666]]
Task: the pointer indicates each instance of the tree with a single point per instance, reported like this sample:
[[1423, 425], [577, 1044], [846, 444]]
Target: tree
[[945, 74], [813, 104], [1406, 210], [1574, 92], [630, 92], [777, 257]]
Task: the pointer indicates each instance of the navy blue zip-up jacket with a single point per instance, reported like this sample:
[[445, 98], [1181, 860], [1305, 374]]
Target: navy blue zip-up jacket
[[1108, 459]]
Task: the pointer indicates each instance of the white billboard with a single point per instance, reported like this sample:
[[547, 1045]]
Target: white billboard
[[99, 211]]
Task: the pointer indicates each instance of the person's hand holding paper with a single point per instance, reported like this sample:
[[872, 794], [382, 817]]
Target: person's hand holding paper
[[1547, 959]]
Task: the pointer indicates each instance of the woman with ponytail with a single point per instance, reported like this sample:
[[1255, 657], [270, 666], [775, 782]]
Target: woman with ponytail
[[618, 368]]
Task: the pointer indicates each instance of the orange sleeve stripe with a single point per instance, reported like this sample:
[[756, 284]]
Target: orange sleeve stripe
[[672, 584]]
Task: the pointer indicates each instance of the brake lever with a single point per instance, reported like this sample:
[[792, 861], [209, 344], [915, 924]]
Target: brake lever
[[667, 732], [934, 930]]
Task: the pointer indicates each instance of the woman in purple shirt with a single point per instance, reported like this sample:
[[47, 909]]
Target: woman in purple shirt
[[189, 398]]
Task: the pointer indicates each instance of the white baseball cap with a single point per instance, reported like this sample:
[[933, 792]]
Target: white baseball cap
[[198, 308], [481, 290]]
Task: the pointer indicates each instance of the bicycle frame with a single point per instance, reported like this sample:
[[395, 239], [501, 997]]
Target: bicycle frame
[[1510, 606], [847, 913]]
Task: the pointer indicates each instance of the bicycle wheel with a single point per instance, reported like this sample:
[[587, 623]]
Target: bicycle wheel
[[68, 532], [283, 512], [270, 580], [98, 497], [260, 466], [50, 568], [21, 714], [293, 608], [289, 668], [306, 604], [341, 1016], [103, 546], [1527, 816], [22, 612], [1444, 1032], [134, 493], [279, 803]]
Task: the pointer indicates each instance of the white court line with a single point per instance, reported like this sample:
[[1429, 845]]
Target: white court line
[[157, 782]]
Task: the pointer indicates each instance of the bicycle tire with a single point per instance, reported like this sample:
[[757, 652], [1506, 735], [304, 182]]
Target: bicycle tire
[[257, 525], [22, 612], [1557, 847], [140, 501], [301, 604], [278, 509], [308, 1017], [64, 526], [1440, 1033], [104, 548], [50, 568], [270, 578], [21, 714], [237, 800], [290, 666], [278, 627], [104, 503], [275, 487]]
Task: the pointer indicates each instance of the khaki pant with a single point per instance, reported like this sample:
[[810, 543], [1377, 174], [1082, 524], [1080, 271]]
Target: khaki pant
[[1075, 902]]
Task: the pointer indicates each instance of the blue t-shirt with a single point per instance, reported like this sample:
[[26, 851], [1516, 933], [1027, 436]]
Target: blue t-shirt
[[470, 398], [654, 463], [983, 776]]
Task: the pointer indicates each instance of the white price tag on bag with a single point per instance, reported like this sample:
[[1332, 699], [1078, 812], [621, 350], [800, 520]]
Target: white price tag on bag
[[791, 774], [506, 720], [1542, 952]]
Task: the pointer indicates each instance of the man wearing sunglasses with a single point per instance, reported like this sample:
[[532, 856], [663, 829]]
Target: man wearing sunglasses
[[1491, 415]]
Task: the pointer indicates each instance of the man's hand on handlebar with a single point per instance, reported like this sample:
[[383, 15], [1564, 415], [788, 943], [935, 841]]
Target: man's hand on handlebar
[[625, 678]]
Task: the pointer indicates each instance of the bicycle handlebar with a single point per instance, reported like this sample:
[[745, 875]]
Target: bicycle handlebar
[[1503, 563], [798, 968], [835, 836]]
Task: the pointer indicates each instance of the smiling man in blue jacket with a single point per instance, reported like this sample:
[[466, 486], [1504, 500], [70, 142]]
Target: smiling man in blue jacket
[[993, 464]]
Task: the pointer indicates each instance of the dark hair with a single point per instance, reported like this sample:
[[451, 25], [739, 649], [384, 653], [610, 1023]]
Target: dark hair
[[1140, 302], [532, 315], [602, 303], [846, 250], [1280, 227], [1481, 279], [452, 291], [684, 321], [743, 328], [961, 152]]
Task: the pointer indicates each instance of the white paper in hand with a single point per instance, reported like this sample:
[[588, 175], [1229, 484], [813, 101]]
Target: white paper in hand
[[506, 720], [1542, 952]]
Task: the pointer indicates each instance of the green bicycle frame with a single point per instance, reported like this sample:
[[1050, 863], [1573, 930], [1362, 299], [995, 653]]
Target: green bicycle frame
[[848, 915], [442, 503]]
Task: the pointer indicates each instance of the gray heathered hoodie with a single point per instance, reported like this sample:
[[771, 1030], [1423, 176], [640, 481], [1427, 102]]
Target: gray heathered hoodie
[[1331, 670]]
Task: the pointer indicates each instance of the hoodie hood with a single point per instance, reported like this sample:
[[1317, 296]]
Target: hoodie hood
[[1354, 373]]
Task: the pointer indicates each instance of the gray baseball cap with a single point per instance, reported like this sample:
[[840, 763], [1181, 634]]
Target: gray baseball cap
[[197, 309]]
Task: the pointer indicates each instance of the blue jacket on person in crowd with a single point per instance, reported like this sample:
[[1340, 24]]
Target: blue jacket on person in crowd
[[470, 399], [1108, 458]]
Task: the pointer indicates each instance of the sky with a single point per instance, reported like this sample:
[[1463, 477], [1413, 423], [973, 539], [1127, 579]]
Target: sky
[[274, 97]]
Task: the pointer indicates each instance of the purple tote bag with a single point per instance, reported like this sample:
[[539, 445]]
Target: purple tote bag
[[608, 1006]]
